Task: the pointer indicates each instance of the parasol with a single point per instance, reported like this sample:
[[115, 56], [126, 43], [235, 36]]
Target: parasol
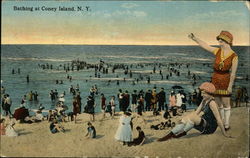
[[21, 113]]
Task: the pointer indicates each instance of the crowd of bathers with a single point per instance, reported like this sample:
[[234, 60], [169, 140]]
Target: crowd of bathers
[[137, 102]]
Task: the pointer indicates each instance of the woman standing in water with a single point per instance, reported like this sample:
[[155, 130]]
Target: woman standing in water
[[225, 66]]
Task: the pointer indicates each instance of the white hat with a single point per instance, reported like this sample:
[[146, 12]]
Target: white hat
[[61, 99], [22, 105]]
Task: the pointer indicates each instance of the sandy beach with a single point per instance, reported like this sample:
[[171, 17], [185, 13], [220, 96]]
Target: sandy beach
[[35, 140]]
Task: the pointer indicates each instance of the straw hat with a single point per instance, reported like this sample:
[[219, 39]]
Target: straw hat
[[225, 36], [207, 87]]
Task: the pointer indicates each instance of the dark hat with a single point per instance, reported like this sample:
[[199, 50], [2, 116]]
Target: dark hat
[[41, 108], [90, 97], [138, 127], [89, 123], [127, 113]]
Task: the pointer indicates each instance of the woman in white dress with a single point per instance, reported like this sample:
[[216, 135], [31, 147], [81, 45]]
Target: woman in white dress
[[124, 131], [112, 104], [179, 97], [10, 131]]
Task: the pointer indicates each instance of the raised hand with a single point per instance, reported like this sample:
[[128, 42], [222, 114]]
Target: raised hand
[[191, 36]]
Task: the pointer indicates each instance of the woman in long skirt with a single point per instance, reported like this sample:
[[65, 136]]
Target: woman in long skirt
[[124, 131]]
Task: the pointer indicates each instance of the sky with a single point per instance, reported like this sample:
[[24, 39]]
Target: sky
[[124, 22]]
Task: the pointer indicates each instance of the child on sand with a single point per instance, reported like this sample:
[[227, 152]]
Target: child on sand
[[91, 131]]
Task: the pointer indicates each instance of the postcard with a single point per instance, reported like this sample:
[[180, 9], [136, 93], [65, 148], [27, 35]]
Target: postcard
[[142, 79]]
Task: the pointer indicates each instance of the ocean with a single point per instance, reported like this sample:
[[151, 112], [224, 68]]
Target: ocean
[[141, 60]]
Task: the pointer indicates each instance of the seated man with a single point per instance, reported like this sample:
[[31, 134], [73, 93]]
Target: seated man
[[55, 127], [38, 116], [140, 139]]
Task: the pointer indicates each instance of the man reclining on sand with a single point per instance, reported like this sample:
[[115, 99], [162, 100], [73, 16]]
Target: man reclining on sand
[[205, 119]]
